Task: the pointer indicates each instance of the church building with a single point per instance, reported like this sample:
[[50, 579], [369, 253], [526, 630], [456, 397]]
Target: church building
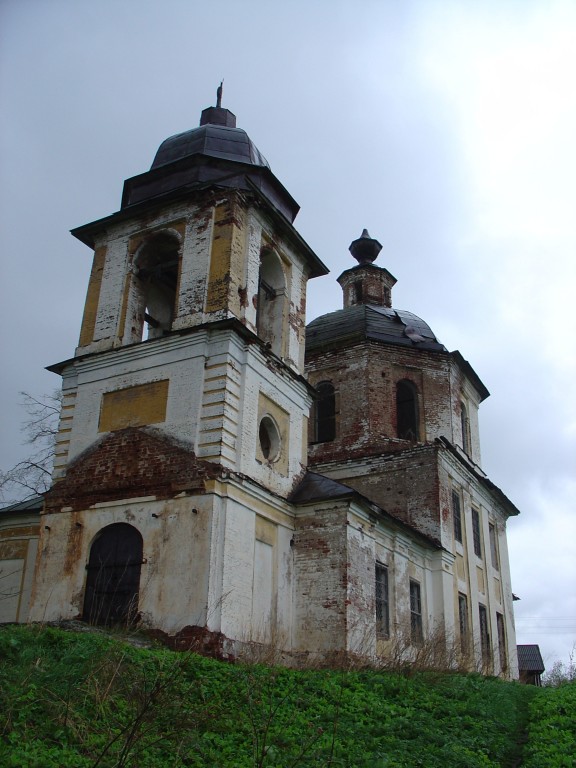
[[234, 480]]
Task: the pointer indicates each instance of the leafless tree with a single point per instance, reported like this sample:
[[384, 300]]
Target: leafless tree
[[32, 475]]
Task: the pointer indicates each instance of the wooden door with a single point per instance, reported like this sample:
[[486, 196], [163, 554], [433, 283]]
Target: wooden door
[[113, 580]]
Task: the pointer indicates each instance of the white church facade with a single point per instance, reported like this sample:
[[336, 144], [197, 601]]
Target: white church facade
[[231, 479]]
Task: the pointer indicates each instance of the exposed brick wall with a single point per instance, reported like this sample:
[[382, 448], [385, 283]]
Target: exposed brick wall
[[320, 567], [405, 484], [365, 378], [127, 464]]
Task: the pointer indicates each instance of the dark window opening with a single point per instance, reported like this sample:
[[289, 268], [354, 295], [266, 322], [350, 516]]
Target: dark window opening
[[502, 642], [484, 633], [382, 602], [325, 412], [493, 546], [157, 272], [463, 623], [407, 411], [416, 632], [457, 516], [113, 579], [476, 537]]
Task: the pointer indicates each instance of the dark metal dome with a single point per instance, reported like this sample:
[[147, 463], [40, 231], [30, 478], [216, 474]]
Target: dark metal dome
[[215, 153], [369, 322], [213, 140]]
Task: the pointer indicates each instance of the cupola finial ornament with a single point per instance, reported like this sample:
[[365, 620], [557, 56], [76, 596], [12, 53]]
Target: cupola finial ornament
[[365, 249]]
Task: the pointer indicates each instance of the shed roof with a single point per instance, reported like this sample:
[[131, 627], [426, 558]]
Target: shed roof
[[530, 658], [33, 504]]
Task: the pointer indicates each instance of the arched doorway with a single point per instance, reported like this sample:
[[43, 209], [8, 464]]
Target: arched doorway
[[113, 579]]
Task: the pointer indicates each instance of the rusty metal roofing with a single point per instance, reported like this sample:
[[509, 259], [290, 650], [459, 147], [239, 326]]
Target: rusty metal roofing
[[530, 659], [369, 322], [213, 140]]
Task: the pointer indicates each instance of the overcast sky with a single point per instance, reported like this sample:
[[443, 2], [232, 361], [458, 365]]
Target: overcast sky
[[448, 129]]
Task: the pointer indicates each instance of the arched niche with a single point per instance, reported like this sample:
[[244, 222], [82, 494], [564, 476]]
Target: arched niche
[[271, 301], [113, 576], [157, 278]]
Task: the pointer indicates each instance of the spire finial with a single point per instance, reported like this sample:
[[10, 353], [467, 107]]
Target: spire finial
[[219, 94], [365, 249]]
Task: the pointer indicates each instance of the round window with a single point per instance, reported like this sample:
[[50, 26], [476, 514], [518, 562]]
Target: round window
[[269, 437]]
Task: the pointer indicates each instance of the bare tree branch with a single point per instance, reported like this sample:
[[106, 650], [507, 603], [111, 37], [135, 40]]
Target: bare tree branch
[[32, 475]]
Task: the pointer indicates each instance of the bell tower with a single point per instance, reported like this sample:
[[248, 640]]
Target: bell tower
[[195, 311], [185, 407]]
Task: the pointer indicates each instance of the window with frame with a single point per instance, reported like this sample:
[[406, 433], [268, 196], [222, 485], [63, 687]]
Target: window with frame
[[494, 546], [501, 629], [407, 411], [463, 623], [484, 632], [476, 535], [457, 516], [382, 602], [325, 412], [416, 632]]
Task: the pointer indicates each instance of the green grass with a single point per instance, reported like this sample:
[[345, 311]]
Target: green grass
[[84, 699]]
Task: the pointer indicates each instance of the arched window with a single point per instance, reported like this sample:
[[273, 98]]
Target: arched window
[[113, 580], [157, 283], [407, 411], [325, 413], [465, 423], [271, 298]]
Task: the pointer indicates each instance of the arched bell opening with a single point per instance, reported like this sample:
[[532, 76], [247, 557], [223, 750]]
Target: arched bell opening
[[271, 301], [157, 278]]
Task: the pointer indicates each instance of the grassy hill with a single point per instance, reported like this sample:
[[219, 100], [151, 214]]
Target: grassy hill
[[84, 699]]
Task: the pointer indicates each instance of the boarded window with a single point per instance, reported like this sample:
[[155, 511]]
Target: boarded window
[[407, 411], [325, 412], [382, 602], [416, 632]]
